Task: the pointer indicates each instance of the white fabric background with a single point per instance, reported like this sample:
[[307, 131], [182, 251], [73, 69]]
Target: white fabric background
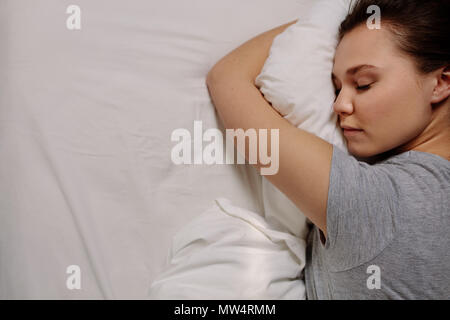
[[85, 124]]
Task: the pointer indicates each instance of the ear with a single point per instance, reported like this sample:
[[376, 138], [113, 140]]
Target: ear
[[442, 89]]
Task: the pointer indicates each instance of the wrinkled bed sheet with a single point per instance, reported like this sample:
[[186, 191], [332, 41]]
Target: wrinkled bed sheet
[[86, 118]]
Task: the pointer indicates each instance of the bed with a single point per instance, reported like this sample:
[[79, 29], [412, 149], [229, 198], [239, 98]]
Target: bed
[[86, 117]]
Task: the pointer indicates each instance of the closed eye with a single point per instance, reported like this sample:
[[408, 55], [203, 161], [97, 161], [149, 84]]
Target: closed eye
[[359, 88], [363, 88]]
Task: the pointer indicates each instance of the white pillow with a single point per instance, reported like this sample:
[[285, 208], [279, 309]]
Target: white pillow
[[296, 80]]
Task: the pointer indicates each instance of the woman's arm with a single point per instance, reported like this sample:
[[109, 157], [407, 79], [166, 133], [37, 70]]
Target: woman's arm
[[304, 159]]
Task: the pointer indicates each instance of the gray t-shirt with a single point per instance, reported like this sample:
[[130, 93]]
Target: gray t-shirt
[[388, 228]]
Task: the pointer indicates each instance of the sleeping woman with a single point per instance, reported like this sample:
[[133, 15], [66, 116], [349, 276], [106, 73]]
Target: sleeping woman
[[381, 215]]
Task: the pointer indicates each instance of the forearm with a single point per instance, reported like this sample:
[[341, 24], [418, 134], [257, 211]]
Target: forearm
[[247, 61], [232, 89], [304, 159]]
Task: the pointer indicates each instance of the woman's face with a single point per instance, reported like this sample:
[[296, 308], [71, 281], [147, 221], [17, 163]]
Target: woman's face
[[379, 92]]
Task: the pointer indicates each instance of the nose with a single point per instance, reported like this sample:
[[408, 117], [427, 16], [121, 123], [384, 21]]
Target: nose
[[343, 104]]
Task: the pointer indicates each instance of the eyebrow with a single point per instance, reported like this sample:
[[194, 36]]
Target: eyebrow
[[355, 70]]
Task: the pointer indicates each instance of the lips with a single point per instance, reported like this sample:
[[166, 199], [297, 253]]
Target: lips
[[350, 128], [352, 132]]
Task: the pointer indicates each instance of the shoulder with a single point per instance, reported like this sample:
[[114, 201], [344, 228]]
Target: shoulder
[[417, 167], [411, 162], [427, 161], [367, 204]]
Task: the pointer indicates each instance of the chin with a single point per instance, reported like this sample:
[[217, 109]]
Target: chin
[[369, 155], [359, 152], [363, 154]]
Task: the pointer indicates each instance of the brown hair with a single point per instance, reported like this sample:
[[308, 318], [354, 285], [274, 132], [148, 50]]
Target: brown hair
[[420, 28]]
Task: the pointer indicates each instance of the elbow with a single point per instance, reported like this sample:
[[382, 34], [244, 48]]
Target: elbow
[[210, 78], [221, 74], [224, 71], [216, 78], [213, 76]]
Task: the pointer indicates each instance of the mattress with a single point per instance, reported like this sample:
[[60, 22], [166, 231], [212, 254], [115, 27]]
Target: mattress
[[89, 98]]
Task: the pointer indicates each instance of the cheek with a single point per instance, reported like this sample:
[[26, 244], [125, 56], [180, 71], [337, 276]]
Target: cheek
[[392, 115], [389, 104], [376, 107]]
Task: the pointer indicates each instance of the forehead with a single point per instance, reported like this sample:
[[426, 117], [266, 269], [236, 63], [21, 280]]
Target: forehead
[[363, 46]]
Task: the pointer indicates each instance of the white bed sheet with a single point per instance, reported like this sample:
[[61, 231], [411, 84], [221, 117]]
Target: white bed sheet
[[86, 118]]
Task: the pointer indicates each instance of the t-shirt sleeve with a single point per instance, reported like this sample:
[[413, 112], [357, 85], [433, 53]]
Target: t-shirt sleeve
[[361, 207]]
